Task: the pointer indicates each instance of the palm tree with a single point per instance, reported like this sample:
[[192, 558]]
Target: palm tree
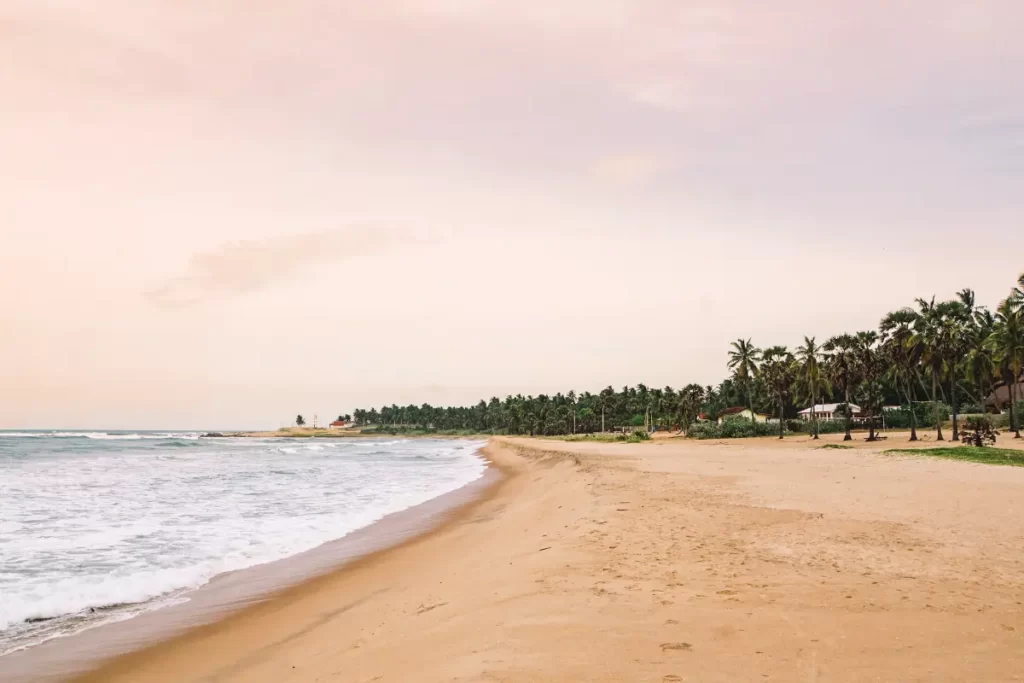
[[743, 360], [954, 334], [669, 404], [901, 356], [644, 402], [778, 369], [1016, 298], [869, 373], [841, 369], [571, 396], [1007, 345], [690, 399], [604, 400], [811, 374], [928, 337], [300, 421], [979, 366]]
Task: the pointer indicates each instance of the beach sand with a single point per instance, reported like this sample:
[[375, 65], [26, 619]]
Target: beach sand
[[754, 560]]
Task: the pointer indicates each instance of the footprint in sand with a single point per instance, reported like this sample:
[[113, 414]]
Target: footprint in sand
[[681, 647], [671, 678]]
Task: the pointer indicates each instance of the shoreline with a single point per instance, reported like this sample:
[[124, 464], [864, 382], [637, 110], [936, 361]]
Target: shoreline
[[234, 592], [660, 561], [125, 666], [348, 433]]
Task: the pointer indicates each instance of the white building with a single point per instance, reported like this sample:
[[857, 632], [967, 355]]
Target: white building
[[741, 412], [827, 411]]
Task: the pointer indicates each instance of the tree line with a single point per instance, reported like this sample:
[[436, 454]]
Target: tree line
[[940, 353]]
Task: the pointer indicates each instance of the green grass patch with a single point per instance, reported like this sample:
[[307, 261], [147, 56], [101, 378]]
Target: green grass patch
[[834, 446], [988, 455]]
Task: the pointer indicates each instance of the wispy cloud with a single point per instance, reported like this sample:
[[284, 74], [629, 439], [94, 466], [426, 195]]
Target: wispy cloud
[[246, 266]]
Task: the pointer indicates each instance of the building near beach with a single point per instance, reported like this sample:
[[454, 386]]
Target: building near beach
[[740, 411], [1000, 398], [827, 411]]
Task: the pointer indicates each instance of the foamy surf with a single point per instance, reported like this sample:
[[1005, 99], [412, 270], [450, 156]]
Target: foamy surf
[[100, 529], [101, 436]]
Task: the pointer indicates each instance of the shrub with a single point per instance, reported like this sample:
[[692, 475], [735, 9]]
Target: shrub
[[732, 428], [703, 430], [826, 427], [925, 413], [636, 437], [807, 426], [978, 431]]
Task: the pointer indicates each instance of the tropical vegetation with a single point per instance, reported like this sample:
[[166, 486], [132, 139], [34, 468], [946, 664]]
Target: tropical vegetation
[[925, 363]]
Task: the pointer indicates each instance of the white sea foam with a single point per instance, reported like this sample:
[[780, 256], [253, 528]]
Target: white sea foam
[[130, 521], [102, 436]]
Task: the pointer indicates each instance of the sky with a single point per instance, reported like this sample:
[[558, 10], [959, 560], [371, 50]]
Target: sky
[[218, 215]]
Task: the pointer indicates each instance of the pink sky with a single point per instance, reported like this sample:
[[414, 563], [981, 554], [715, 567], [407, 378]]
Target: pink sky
[[218, 215]]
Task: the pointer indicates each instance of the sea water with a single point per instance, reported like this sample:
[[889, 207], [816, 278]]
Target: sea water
[[100, 526]]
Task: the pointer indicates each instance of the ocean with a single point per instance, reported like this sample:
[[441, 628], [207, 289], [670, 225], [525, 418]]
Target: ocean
[[98, 527]]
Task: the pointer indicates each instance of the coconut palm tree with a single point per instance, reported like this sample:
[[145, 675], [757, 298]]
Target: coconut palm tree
[[978, 322], [604, 401], [902, 356], [811, 374], [743, 360], [644, 401], [1007, 345], [953, 336], [870, 370], [841, 369], [571, 397], [928, 338], [712, 401], [669, 405], [1016, 298], [657, 401], [778, 370], [979, 366], [690, 399], [967, 298]]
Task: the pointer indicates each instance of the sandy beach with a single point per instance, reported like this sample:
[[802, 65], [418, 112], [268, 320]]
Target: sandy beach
[[665, 561]]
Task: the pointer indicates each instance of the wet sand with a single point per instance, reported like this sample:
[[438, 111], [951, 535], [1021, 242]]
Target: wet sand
[[662, 561], [60, 658]]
